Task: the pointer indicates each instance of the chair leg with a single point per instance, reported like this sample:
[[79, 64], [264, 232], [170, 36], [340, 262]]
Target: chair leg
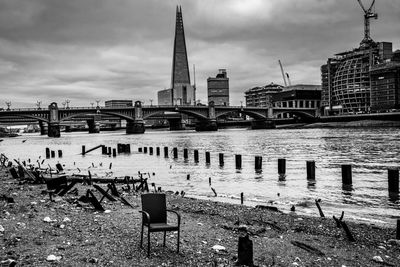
[[148, 243], [141, 237], [165, 234], [178, 239]]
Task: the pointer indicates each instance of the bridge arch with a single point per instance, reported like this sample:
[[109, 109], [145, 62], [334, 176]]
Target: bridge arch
[[91, 113], [196, 115], [302, 114], [33, 117], [253, 114]]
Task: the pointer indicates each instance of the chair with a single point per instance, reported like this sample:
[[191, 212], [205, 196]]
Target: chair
[[154, 217]]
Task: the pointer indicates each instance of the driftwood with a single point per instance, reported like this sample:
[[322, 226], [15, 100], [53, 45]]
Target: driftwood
[[92, 198], [104, 193], [321, 213], [339, 221], [215, 193], [349, 235], [307, 248], [271, 208]]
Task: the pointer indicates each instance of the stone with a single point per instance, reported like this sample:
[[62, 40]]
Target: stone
[[53, 258], [377, 259], [1, 229], [218, 248]]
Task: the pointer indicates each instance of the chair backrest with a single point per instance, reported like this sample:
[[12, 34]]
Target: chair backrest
[[156, 206]]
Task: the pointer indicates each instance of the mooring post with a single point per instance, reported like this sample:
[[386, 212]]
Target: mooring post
[[310, 170], [60, 153], [109, 151], [209, 181], [128, 148], [47, 153], [241, 198], [53, 154], [103, 149], [346, 175], [221, 159], [119, 148], [196, 155], [114, 152], [393, 179], [140, 150], [83, 150], [398, 230], [207, 157], [145, 150], [258, 163], [175, 152], [185, 153], [151, 150], [158, 151], [165, 152], [281, 166], [238, 161]]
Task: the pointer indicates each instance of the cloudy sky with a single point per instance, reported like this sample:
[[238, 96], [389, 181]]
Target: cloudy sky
[[83, 50]]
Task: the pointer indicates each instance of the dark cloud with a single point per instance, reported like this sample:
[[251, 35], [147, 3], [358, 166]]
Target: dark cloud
[[84, 50]]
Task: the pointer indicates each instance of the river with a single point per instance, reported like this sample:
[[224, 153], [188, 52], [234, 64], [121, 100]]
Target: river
[[371, 151]]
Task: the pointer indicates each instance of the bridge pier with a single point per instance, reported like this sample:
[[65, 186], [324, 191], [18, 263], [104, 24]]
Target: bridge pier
[[134, 127], [67, 129], [43, 128], [262, 124], [206, 125], [54, 130], [94, 126], [176, 124]]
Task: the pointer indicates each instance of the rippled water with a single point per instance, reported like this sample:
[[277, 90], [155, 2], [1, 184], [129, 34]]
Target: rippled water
[[370, 150]]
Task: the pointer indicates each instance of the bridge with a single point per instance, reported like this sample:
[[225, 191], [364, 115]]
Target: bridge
[[206, 116]]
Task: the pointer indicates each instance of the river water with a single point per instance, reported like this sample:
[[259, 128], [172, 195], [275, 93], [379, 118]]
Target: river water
[[371, 151]]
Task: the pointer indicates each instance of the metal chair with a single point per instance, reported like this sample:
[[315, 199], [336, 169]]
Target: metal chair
[[154, 217]]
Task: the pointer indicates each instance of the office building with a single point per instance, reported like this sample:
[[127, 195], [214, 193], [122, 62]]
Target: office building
[[218, 89]]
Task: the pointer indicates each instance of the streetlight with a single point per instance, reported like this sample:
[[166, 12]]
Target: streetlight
[[67, 101], [97, 103], [91, 103], [63, 103], [151, 102], [38, 103], [8, 103]]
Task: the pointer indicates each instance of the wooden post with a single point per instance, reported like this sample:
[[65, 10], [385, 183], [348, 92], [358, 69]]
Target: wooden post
[[109, 150], [238, 161], [185, 153], [60, 153], [310, 165], [346, 175], [241, 198], [207, 157], [47, 153], [393, 179], [103, 149], [158, 151], [258, 163], [398, 230], [151, 150], [209, 181], [128, 148], [140, 150], [188, 177], [175, 151], [281, 166], [145, 149], [221, 159], [165, 152], [53, 154], [119, 148], [245, 251], [196, 155], [83, 150], [114, 152]]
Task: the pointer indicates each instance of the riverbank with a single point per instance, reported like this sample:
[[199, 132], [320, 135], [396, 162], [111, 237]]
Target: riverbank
[[33, 228], [343, 124]]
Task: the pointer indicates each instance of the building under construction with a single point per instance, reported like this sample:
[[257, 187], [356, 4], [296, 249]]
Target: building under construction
[[346, 78]]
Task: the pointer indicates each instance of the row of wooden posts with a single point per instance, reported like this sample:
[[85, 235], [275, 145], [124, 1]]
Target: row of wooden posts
[[52, 153], [347, 179]]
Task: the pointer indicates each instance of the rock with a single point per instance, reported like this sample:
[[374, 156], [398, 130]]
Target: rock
[[93, 260], [218, 248], [47, 219], [1, 229], [377, 259], [107, 211], [66, 219], [53, 258]]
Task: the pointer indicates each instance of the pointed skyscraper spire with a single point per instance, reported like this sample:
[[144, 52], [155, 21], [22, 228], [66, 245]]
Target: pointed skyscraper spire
[[180, 81]]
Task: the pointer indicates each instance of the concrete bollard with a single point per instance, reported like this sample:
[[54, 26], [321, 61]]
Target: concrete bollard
[[196, 156], [114, 152], [185, 153], [150, 150], [145, 150], [393, 180], [140, 150], [221, 159], [281, 166], [53, 154], [310, 165], [258, 163], [175, 152], [238, 161], [241, 198], [47, 153], [165, 152], [347, 178], [208, 160], [83, 150], [60, 154], [158, 151]]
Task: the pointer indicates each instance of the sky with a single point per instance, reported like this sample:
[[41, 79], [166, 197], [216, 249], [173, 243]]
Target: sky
[[88, 50]]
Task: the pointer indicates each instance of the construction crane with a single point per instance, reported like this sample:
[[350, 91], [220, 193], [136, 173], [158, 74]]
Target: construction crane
[[283, 73], [288, 79], [368, 14]]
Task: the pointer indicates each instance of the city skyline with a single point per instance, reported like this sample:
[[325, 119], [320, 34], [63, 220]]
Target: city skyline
[[88, 50]]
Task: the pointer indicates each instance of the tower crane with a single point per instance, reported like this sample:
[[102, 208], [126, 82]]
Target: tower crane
[[368, 14], [283, 74]]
